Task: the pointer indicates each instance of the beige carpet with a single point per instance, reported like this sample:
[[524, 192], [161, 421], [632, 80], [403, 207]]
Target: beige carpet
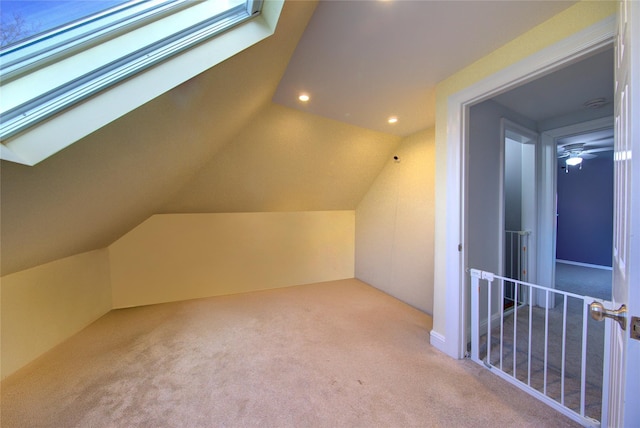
[[335, 354]]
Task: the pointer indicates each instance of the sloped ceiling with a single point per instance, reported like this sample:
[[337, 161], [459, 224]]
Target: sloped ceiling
[[288, 160], [96, 190]]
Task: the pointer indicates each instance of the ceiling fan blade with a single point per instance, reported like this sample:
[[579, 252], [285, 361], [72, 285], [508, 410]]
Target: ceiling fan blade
[[599, 149]]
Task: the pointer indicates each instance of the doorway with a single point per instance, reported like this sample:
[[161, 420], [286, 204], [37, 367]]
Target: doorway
[[584, 213], [556, 146], [498, 167], [519, 201], [451, 333], [553, 106]]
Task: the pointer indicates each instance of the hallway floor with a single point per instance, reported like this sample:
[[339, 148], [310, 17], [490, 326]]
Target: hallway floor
[[584, 280]]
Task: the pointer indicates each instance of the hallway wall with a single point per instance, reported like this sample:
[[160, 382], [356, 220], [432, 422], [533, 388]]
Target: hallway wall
[[483, 181]]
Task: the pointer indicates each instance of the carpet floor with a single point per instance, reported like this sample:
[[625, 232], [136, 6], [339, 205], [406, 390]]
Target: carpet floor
[[584, 280], [334, 354]]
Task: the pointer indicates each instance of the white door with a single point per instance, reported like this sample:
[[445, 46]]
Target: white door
[[624, 360]]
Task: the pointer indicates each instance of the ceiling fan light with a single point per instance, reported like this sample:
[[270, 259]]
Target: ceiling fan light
[[574, 160]]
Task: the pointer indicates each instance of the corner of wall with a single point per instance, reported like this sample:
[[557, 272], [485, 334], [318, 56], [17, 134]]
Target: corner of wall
[[394, 224], [45, 305], [438, 341]]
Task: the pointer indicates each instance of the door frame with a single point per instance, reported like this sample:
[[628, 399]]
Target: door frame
[[547, 207], [588, 41]]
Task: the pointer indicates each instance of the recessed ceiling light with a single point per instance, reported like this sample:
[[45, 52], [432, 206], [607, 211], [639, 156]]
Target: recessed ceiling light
[[304, 98], [392, 120]]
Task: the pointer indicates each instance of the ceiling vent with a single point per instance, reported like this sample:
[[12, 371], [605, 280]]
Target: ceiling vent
[[596, 103]]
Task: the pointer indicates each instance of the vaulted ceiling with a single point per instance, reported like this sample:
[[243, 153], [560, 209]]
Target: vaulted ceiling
[[232, 140]]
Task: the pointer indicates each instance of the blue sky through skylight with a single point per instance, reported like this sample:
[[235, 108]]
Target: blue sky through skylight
[[22, 19]]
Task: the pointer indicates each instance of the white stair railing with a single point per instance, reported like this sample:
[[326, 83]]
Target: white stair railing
[[516, 254]]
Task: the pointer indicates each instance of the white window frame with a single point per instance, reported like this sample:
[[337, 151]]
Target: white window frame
[[32, 127]]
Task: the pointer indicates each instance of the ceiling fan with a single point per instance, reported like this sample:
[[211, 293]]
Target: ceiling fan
[[575, 152]]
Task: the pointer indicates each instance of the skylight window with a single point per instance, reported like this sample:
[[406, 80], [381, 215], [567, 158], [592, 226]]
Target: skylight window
[[56, 54], [21, 20]]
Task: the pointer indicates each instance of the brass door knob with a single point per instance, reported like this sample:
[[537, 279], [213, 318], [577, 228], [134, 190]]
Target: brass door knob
[[599, 312]]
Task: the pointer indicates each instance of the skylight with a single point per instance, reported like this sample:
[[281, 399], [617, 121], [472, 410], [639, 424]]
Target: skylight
[[22, 20], [57, 54]]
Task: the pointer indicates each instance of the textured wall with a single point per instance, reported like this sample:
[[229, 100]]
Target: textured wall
[[287, 160], [394, 225]]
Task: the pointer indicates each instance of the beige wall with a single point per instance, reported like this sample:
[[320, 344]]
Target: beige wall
[[43, 306], [170, 257], [394, 225], [287, 160], [561, 26], [173, 257]]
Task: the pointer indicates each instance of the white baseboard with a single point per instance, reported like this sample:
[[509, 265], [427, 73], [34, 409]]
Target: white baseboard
[[569, 262], [438, 341]]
